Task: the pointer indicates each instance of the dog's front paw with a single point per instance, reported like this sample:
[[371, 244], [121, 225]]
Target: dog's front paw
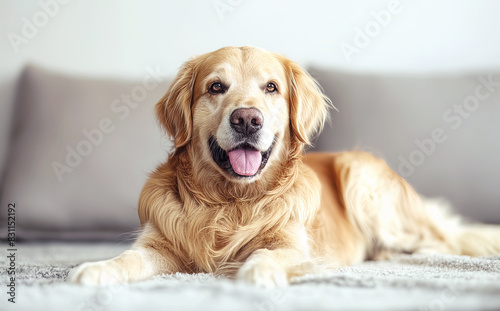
[[98, 273], [263, 271]]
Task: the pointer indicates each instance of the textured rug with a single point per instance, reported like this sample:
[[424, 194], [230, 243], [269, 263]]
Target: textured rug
[[410, 282]]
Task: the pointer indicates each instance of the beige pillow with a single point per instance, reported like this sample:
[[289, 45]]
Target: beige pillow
[[81, 151]]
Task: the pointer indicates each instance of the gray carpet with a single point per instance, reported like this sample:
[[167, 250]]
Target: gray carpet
[[410, 282]]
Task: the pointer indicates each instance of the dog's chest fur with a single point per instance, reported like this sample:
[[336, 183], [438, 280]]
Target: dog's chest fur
[[225, 235]]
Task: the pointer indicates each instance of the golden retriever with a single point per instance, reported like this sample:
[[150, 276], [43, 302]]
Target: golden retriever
[[238, 196]]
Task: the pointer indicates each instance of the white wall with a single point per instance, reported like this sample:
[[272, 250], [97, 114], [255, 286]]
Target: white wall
[[119, 38]]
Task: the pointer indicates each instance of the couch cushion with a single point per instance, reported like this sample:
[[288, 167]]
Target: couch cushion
[[7, 94], [81, 154], [439, 132]]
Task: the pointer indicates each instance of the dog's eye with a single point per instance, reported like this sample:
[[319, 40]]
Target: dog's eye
[[216, 88], [271, 87]]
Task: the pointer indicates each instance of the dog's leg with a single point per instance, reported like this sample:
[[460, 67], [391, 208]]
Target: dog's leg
[[272, 268], [381, 205], [148, 257], [393, 218], [278, 259]]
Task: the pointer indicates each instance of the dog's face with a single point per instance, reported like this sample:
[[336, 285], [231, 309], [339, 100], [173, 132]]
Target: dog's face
[[242, 109]]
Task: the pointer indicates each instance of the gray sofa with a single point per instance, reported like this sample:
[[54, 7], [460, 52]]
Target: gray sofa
[[74, 178]]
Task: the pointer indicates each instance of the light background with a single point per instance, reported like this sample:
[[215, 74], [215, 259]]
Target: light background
[[122, 37]]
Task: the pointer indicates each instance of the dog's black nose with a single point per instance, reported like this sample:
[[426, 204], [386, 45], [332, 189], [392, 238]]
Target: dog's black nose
[[246, 120]]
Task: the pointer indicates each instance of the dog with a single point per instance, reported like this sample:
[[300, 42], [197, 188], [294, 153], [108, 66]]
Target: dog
[[238, 195]]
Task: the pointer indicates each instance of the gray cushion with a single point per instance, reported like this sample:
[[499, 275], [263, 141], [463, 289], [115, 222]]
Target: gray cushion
[[7, 98], [96, 193], [391, 115]]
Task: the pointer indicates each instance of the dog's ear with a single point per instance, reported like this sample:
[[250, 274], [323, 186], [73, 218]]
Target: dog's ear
[[308, 105], [174, 109]]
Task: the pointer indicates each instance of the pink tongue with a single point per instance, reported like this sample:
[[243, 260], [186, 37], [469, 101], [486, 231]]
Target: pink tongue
[[245, 162]]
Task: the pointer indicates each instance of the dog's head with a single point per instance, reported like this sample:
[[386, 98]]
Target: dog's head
[[241, 110]]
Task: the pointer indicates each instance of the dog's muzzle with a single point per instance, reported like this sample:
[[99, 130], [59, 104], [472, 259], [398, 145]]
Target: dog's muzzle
[[241, 161]]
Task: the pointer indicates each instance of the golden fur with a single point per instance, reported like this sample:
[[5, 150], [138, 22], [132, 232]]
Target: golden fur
[[299, 211]]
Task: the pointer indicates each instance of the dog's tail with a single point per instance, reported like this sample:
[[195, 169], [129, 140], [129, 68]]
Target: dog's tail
[[462, 237], [478, 240]]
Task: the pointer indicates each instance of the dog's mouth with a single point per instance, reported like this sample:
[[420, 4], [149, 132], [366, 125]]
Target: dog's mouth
[[242, 161]]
